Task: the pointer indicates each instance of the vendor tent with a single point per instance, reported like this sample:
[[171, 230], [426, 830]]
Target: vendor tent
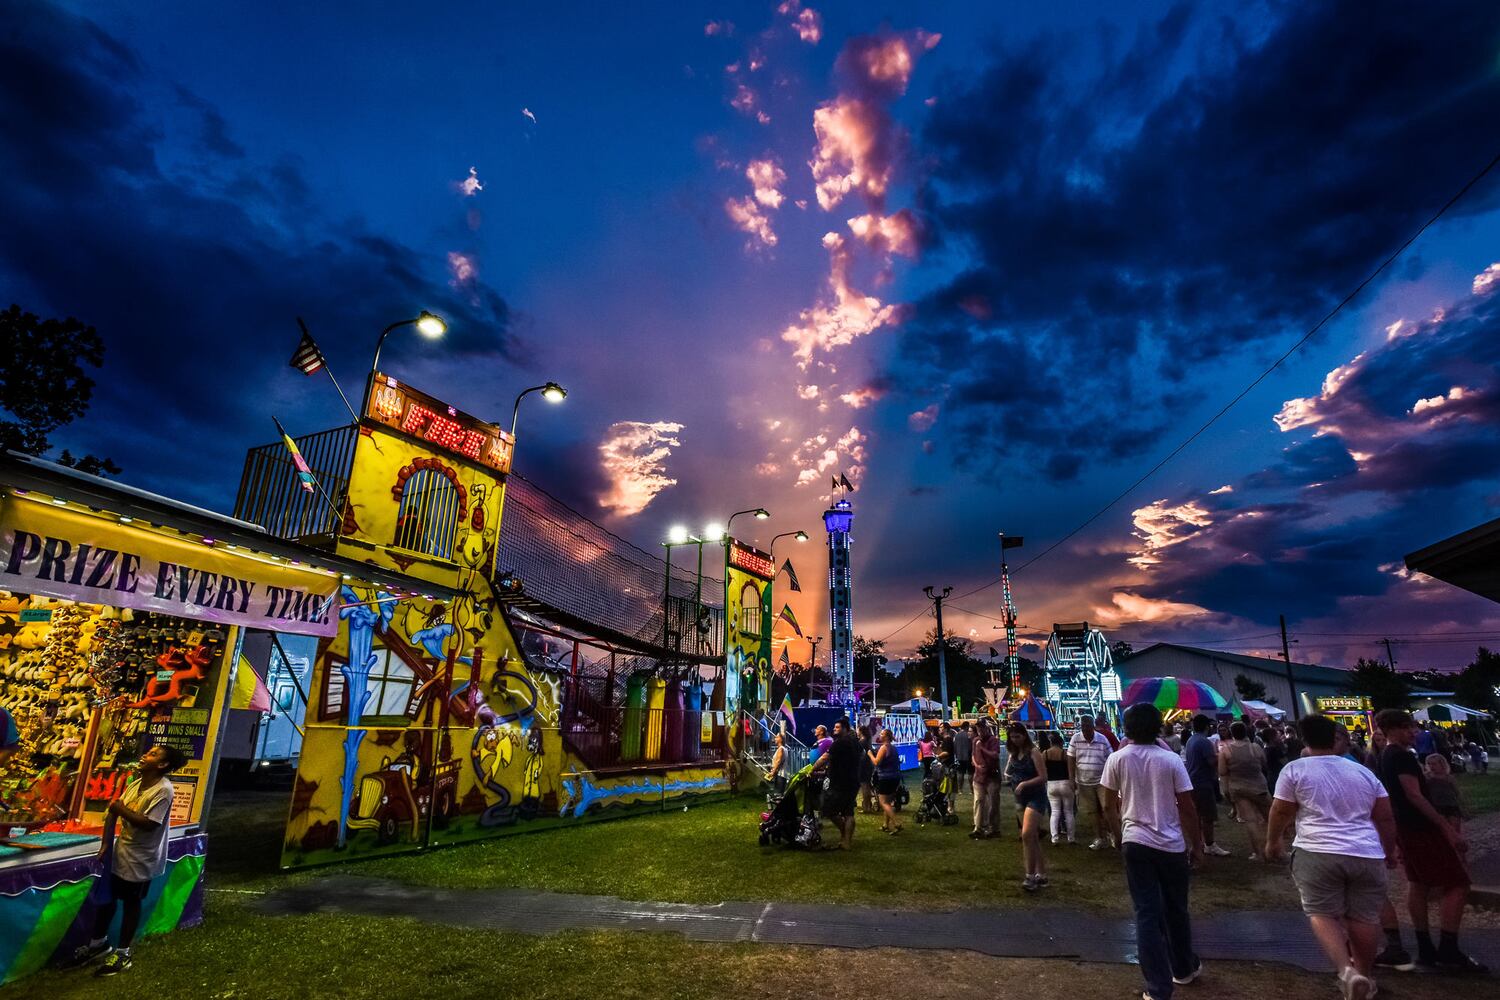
[[1263, 707], [1448, 712], [916, 705]]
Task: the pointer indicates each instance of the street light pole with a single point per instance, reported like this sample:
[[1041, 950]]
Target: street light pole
[[937, 600], [428, 323], [551, 391]]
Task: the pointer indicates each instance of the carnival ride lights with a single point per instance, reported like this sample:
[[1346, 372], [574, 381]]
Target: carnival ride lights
[[1077, 663], [838, 520]]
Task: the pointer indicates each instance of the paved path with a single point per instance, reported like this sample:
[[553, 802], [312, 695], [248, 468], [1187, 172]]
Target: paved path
[[1043, 932]]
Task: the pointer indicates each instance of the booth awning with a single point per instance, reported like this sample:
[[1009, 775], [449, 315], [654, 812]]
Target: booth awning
[[1264, 707], [78, 537], [1447, 712]]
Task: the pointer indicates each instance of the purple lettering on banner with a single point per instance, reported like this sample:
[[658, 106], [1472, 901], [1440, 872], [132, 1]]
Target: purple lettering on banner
[[246, 589], [164, 575], [130, 566], [104, 563], [80, 563], [25, 548], [54, 563]]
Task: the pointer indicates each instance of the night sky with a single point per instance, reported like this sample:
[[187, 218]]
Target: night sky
[[990, 261]]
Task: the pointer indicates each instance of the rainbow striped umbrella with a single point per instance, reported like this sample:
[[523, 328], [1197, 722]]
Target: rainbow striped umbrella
[[1175, 694]]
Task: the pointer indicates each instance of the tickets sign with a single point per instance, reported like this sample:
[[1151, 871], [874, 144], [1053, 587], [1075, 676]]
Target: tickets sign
[[79, 557]]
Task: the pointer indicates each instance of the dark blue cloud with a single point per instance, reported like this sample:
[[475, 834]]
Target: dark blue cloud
[[191, 261], [1207, 191]]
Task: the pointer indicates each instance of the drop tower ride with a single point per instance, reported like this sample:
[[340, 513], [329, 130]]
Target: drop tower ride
[[839, 520]]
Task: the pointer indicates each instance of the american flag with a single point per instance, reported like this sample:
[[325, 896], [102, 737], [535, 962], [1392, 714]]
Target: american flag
[[307, 358]]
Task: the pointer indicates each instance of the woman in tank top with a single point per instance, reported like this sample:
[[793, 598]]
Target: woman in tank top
[[1060, 792]]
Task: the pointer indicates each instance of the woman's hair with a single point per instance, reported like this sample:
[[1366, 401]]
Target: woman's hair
[[780, 739], [1238, 731], [1055, 739], [886, 736], [1010, 736]]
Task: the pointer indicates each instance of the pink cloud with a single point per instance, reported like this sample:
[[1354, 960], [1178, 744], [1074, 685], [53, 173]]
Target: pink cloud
[[859, 398], [463, 270], [807, 392], [746, 214], [923, 419], [716, 28], [766, 177], [898, 234], [1161, 524], [470, 185], [633, 457], [843, 316], [853, 151], [1487, 279], [819, 456]]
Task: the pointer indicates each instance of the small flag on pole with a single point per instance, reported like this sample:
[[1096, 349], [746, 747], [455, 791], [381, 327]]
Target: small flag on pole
[[785, 711], [307, 359], [304, 474], [844, 482], [835, 481], [786, 662], [791, 574], [994, 652], [1010, 542], [791, 619]]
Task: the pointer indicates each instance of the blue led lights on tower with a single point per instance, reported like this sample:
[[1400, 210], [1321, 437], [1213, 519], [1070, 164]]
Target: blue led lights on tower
[[838, 519]]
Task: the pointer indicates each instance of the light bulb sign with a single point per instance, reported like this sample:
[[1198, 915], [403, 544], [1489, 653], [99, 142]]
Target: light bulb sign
[[751, 560], [418, 415]]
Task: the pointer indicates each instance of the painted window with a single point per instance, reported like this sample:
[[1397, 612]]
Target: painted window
[[390, 686], [427, 520], [750, 617]]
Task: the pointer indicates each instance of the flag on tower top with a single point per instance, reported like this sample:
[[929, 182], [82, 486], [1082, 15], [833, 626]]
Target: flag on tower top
[[994, 652], [307, 358], [844, 482], [1010, 542], [791, 574]]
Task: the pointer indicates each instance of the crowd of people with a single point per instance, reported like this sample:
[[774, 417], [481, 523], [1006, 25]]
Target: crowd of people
[[1343, 809]]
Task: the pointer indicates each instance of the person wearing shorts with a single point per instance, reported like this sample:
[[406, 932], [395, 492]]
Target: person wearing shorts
[[1202, 760], [1431, 850], [841, 766], [887, 778], [1346, 838]]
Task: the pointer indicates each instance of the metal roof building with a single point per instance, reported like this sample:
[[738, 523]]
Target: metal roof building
[[1218, 669]]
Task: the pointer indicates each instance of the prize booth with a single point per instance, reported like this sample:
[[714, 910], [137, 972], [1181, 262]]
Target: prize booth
[[122, 615]]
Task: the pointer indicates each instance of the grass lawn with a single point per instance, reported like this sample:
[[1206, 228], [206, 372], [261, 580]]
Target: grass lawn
[[237, 954], [1481, 792], [709, 854]]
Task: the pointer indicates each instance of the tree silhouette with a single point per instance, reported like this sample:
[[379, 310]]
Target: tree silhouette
[[1383, 686], [43, 382]]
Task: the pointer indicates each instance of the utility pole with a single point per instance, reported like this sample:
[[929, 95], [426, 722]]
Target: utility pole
[[1388, 656], [937, 600], [1291, 681]]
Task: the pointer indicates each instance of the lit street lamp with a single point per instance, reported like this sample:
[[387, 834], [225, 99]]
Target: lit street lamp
[[551, 392], [428, 325]]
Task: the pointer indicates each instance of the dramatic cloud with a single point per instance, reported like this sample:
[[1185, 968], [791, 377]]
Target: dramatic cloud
[[859, 398], [1401, 437], [766, 177], [748, 217], [462, 271], [222, 251], [633, 457], [923, 419], [1485, 280], [819, 456], [1137, 211], [846, 315], [1127, 607], [857, 139]]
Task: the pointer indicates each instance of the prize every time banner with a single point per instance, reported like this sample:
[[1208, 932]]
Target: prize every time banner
[[61, 553]]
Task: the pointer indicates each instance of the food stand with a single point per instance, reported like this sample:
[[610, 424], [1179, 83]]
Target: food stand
[[1355, 711]]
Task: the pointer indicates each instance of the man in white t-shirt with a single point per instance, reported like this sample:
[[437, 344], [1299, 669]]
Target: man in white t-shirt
[[136, 853], [1346, 838], [1148, 799]]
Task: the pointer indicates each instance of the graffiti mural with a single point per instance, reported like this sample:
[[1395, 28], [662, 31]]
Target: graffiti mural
[[428, 723]]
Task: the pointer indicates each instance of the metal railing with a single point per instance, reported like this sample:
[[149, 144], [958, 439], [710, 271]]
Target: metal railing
[[271, 495]]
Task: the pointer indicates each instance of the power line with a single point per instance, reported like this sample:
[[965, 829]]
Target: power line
[[1258, 379]]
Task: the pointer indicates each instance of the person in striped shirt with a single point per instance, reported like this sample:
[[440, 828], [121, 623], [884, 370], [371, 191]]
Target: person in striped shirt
[[1087, 752]]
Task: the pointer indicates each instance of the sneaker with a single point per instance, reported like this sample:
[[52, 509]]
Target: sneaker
[[1357, 987], [1191, 976], [1254, 856], [1395, 957], [1056, 840], [1041, 880], [116, 963], [1216, 851], [1030, 884], [1098, 845], [977, 835], [1457, 961], [86, 953]]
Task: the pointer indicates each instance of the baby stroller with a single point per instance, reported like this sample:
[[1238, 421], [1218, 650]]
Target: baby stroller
[[790, 821], [935, 789]]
